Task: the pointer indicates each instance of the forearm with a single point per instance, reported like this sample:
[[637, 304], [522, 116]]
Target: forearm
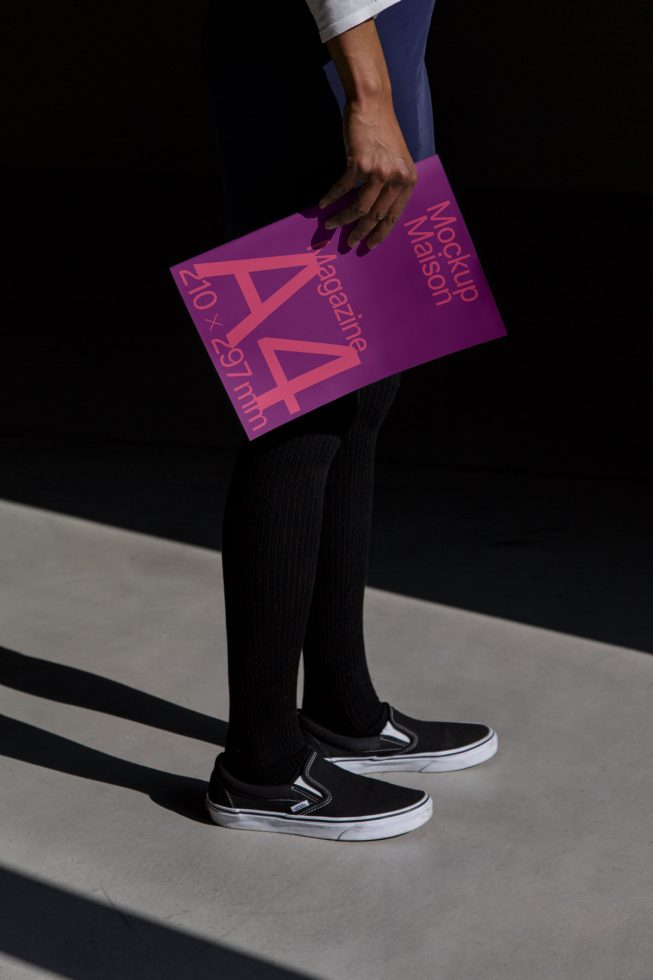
[[359, 60], [377, 157]]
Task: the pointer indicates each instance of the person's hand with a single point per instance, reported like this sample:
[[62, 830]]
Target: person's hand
[[377, 155]]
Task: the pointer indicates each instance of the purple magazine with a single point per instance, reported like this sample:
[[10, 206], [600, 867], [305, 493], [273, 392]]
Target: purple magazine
[[292, 317]]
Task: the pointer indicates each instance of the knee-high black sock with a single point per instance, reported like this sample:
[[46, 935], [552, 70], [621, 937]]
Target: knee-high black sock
[[270, 542], [338, 690]]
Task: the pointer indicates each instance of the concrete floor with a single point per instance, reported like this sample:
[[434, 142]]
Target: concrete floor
[[537, 863]]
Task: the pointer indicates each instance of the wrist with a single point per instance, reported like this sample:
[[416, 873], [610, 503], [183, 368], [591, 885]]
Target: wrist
[[369, 99], [368, 92]]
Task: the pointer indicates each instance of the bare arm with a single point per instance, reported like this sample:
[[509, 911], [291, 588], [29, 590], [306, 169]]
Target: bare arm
[[376, 150]]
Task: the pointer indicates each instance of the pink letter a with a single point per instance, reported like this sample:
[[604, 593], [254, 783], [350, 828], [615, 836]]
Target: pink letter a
[[241, 269]]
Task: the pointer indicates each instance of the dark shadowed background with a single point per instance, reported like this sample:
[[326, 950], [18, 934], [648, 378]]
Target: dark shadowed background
[[542, 116]]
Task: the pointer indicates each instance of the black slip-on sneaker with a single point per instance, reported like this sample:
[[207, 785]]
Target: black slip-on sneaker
[[405, 744], [322, 800]]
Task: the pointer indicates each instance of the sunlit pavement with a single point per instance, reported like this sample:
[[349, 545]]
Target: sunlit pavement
[[535, 864]]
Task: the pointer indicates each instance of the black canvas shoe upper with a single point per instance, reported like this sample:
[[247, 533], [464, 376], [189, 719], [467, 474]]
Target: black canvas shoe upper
[[400, 734], [319, 788]]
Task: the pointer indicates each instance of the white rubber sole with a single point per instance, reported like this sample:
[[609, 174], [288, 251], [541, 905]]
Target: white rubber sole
[[424, 762], [375, 827]]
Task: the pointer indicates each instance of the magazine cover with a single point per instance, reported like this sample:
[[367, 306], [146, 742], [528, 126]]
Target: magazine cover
[[293, 317]]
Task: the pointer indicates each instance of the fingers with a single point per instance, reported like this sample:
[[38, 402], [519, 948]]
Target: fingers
[[381, 200], [385, 225], [376, 176], [361, 206], [348, 180], [383, 211]]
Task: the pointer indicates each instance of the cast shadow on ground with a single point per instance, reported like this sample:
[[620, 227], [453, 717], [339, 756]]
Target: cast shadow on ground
[[70, 685], [80, 938], [183, 795]]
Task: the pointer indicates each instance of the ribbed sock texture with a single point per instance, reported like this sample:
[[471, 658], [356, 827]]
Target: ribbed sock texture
[[338, 690], [295, 544]]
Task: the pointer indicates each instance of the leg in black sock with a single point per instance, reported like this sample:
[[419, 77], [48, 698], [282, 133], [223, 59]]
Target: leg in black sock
[[271, 536], [338, 691]]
